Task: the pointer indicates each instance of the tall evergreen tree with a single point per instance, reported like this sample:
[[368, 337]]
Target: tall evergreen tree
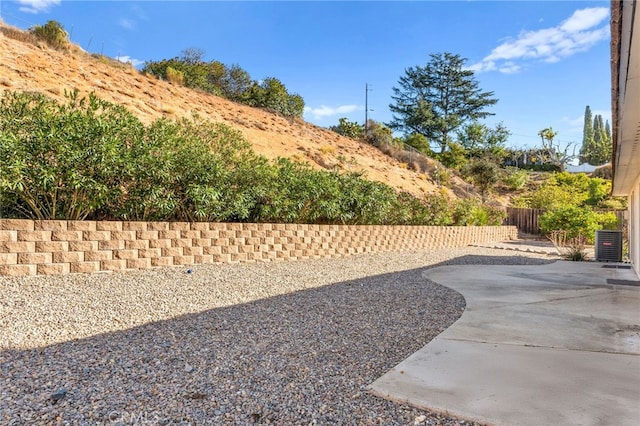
[[587, 136], [437, 99]]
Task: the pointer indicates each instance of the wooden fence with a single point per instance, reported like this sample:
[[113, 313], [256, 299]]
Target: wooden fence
[[527, 220]]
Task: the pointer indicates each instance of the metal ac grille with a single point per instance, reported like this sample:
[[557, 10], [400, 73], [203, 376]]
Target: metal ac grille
[[609, 246]]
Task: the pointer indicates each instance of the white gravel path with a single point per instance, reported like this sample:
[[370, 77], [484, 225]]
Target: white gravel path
[[287, 343]]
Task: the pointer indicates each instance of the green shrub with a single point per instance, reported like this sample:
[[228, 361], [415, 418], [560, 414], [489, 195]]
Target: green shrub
[[471, 212], [575, 221], [174, 76], [515, 178], [53, 33]]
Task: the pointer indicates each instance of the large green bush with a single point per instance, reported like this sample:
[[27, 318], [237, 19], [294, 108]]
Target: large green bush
[[576, 222], [53, 33], [91, 159]]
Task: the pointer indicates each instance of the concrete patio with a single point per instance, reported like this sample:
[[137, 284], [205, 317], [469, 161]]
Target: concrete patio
[[556, 344]]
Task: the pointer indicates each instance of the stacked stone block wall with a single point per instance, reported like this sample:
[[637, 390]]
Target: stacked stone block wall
[[30, 247]]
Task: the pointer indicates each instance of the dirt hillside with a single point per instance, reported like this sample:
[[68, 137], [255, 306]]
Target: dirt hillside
[[26, 66]]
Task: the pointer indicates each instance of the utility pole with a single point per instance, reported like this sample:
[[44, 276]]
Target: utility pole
[[366, 109]]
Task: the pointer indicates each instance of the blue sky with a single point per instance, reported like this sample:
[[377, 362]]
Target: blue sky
[[545, 60]]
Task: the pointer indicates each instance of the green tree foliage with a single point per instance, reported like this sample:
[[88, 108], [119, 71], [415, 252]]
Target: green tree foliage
[[63, 161], [347, 128], [378, 134], [435, 100], [484, 173], [479, 139], [53, 33], [588, 141], [552, 154], [232, 82], [596, 141], [419, 142], [567, 189], [91, 159], [576, 222], [272, 94]]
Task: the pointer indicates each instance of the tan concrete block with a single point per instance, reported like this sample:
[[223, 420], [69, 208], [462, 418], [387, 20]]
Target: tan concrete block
[[211, 234], [111, 245], [192, 251], [50, 225], [96, 235], [54, 269], [243, 234], [98, 255], [109, 226], [8, 235], [202, 242], [238, 257], [84, 267], [162, 261], [149, 253], [123, 235], [229, 249], [34, 235], [34, 258], [113, 265], [146, 235], [18, 270], [225, 233], [171, 251], [183, 260], [69, 256], [8, 258], [190, 234], [17, 225], [179, 226], [253, 256], [66, 235], [181, 242], [222, 242], [134, 226], [17, 246], [81, 225], [234, 226], [138, 263], [200, 226], [168, 235], [52, 246], [221, 258], [212, 250], [203, 259], [136, 244], [159, 243], [83, 245], [158, 226], [125, 254], [246, 248]]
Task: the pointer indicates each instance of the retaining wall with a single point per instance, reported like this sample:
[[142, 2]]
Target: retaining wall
[[30, 247]]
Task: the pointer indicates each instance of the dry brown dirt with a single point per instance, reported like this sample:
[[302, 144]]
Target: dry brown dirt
[[26, 66]]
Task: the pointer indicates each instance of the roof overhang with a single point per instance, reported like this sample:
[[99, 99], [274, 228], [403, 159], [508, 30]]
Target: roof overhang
[[625, 85]]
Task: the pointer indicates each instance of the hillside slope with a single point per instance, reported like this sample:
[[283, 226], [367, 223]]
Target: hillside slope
[[36, 67]]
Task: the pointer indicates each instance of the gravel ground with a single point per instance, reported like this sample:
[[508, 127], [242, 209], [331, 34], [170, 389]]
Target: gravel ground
[[287, 343]]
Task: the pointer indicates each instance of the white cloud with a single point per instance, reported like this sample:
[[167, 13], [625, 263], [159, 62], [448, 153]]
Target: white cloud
[[127, 24], [576, 125], [327, 111], [130, 60], [576, 34], [37, 6]]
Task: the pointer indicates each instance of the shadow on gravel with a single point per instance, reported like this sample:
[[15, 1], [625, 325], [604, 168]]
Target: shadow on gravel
[[297, 358]]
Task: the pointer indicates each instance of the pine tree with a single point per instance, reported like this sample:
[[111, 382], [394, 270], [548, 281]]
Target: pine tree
[[587, 136]]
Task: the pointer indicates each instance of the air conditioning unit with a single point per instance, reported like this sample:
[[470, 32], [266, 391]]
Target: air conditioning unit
[[609, 246]]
